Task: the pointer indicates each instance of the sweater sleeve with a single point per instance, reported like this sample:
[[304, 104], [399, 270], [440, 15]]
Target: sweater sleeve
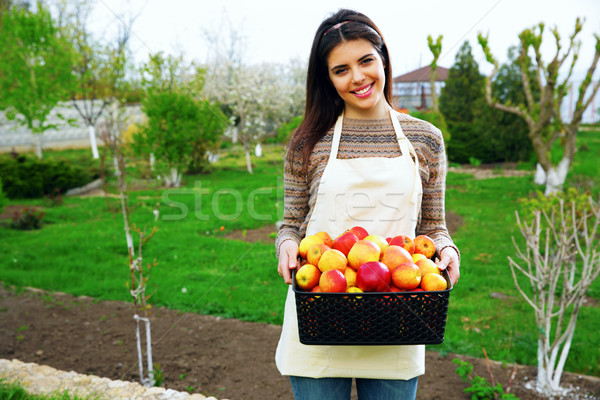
[[433, 173], [295, 201]]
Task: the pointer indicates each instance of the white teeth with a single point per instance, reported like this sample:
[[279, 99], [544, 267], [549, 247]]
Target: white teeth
[[363, 91]]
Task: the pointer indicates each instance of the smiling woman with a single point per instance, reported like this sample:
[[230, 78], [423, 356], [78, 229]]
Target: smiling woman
[[353, 145]]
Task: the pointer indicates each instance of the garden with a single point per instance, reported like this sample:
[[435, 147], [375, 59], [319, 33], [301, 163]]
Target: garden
[[217, 301], [168, 227]]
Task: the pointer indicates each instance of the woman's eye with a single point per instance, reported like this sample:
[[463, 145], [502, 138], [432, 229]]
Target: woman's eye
[[367, 60], [339, 71]]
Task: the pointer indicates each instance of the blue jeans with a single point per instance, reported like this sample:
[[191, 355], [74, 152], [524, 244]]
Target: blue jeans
[[340, 388]]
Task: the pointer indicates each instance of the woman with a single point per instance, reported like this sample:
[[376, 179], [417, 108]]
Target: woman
[[355, 159]]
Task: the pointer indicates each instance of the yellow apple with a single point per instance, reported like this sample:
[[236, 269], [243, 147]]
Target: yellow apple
[[332, 259], [350, 275], [433, 283], [428, 267], [315, 252], [406, 276], [417, 256], [326, 238], [306, 243], [381, 242], [307, 277], [363, 251]]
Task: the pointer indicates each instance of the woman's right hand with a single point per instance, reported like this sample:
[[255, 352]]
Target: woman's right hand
[[288, 260]]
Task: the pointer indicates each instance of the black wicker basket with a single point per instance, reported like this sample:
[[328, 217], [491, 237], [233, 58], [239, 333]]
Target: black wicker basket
[[372, 318]]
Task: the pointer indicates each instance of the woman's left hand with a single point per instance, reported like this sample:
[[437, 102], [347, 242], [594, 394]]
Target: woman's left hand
[[451, 263]]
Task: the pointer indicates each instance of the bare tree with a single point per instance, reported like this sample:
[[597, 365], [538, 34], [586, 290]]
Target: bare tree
[[99, 67], [111, 131], [436, 49], [560, 261], [546, 125]]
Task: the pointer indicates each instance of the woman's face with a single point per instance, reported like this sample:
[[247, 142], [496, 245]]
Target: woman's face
[[356, 71]]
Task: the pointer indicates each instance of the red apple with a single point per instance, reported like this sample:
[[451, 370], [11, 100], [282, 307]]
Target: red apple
[[344, 242], [363, 251], [406, 276], [424, 245], [404, 242], [316, 289], [307, 277], [333, 281], [359, 231], [373, 276], [395, 255]]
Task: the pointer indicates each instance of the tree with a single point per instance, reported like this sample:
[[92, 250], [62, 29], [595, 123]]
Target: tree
[[257, 98], [560, 262], [436, 49], [99, 69], [461, 97], [111, 130], [35, 68], [181, 127], [504, 136], [543, 118]]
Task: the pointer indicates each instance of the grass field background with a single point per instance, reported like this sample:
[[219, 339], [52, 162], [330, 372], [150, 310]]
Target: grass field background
[[81, 250]]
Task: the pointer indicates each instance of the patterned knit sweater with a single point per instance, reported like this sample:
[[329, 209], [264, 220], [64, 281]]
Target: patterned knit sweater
[[369, 138]]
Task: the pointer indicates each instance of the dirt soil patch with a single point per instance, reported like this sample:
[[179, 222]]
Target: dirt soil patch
[[225, 358]]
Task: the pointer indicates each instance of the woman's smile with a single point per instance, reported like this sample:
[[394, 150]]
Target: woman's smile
[[363, 91]]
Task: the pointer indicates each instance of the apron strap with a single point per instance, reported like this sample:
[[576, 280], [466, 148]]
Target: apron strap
[[406, 147], [337, 135]]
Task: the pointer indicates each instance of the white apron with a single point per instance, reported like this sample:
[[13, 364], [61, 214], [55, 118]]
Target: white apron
[[383, 195]]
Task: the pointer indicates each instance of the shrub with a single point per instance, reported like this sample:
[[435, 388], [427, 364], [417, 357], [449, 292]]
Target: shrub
[[284, 132], [479, 388], [179, 131], [25, 177], [2, 197], [27, 219]]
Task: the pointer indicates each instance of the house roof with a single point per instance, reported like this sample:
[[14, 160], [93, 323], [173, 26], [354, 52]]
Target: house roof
[[422, 75]]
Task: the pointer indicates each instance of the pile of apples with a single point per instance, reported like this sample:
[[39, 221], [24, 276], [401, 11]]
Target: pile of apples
[[357, 262]]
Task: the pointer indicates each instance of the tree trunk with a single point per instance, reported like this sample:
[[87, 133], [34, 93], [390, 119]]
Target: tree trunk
[[38, 145], [554, 178], [173, 178], [92, 131], [248, 160]]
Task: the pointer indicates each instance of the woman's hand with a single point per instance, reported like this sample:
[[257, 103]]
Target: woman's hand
[[288, 260], [451, 263]]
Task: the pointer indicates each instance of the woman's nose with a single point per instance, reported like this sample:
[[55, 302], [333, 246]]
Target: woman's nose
[[357, 76]]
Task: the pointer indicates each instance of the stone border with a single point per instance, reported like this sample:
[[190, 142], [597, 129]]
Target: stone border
[[45, 380]]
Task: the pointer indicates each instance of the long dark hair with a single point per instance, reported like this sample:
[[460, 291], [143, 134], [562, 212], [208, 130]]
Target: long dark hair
[[323, 104]]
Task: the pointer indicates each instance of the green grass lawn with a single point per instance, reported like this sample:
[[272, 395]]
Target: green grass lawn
[[81, 250], [14, 391]]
